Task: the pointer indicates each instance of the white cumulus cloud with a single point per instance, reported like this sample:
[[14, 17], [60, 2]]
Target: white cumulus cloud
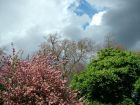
[[97, 18]]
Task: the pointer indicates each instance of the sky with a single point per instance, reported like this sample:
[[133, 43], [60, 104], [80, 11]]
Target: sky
[[26, 22]]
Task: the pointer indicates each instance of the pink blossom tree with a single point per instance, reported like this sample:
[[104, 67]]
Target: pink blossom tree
[[34, 82]]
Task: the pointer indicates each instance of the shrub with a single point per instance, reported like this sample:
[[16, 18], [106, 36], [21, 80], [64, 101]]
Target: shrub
[[35, 82], [109, 78]]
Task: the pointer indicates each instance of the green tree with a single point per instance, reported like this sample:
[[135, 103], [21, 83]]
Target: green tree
[[110, 77]]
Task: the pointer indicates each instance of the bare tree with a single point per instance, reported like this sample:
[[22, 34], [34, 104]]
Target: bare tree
[[2, 51], [73, 54], [110, 42]]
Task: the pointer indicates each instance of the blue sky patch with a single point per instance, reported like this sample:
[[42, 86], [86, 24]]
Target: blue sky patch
[[85, 8]]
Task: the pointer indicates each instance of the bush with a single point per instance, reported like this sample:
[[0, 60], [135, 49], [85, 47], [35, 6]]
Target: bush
[[35, 82], [109, 78]]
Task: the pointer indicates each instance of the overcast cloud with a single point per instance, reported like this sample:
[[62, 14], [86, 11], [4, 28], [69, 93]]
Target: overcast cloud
[[122, 19], [25, 22]]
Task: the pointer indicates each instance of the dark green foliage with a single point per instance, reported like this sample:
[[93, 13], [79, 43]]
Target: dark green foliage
[[137, 86], [2, 87], [127, 101], [96, 103], [136, 94], [110, 77]]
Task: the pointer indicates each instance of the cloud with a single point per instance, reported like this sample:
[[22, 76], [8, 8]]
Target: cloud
[[102, 4], [122, 19], [25, 22], [75, 29], [97, 18]]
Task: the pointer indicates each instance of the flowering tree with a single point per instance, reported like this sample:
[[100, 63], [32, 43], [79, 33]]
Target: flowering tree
[[34, 82]]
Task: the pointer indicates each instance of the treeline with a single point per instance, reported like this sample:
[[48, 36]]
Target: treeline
[[67, 72]]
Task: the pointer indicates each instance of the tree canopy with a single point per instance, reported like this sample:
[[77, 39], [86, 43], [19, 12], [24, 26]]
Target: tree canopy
[[109, 78]]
